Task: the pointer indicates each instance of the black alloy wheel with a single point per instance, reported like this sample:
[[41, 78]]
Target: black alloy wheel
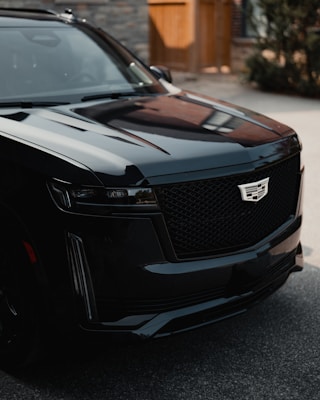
[[19, 317]]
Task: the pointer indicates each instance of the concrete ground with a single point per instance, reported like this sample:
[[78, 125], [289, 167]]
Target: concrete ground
[[302, 114]]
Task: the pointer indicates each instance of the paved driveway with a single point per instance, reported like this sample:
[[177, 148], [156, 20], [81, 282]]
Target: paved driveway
[[270, 353]]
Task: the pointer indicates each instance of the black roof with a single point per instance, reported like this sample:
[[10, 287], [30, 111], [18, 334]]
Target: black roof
[[37, 13]]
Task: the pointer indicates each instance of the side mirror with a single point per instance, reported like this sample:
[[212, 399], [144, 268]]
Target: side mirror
[[161, 72]]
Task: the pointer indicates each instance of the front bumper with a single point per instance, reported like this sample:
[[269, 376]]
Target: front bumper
[[166, 298]]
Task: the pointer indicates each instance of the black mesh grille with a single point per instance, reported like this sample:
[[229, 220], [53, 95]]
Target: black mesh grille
[[209, 217]]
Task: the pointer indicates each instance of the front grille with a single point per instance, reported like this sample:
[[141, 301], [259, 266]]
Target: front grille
[[208, 217]]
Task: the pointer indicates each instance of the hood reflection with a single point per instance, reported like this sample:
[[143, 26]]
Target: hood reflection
[[180, 117]]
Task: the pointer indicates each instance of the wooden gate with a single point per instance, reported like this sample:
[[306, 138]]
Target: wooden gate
[[190, 35]]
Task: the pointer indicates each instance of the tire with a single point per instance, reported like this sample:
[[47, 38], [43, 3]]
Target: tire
[[20, 325]]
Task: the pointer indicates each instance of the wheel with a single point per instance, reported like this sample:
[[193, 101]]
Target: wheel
[[20, 327]]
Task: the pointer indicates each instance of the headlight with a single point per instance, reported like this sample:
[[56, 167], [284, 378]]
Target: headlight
[[100, 200]]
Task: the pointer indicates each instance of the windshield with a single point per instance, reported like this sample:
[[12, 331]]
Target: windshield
[[65, 64]]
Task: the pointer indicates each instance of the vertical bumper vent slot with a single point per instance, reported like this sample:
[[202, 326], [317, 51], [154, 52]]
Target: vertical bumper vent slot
[[81, 275]]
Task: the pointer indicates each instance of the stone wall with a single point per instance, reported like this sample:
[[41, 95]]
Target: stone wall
[[241, 49], [126, 20]]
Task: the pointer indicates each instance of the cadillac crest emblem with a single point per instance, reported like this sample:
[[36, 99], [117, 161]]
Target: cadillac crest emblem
[[254, 191]]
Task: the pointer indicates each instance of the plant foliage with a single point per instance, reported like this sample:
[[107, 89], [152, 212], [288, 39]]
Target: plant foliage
[[286, 54]]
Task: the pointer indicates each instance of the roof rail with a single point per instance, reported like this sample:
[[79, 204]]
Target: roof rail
[[67, 13], [36, 10]]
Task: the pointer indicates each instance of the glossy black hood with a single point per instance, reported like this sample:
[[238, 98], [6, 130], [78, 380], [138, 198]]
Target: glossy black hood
[[186, 117], [133, 139]]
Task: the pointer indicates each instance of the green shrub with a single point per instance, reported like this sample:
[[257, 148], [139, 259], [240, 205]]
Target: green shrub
[[286, 55]]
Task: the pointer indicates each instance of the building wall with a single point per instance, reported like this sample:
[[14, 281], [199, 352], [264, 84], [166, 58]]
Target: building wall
[[126, 20], [241, 46]]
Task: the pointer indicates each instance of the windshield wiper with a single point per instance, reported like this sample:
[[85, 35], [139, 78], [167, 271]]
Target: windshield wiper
[[112, 95], [31, 104]]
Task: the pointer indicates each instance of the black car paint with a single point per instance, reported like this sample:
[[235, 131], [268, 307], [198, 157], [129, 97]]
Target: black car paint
[[107, 154], [109, 142], [129, 263]]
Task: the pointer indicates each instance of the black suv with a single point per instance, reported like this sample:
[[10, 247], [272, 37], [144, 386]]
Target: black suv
[[128, 206]]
